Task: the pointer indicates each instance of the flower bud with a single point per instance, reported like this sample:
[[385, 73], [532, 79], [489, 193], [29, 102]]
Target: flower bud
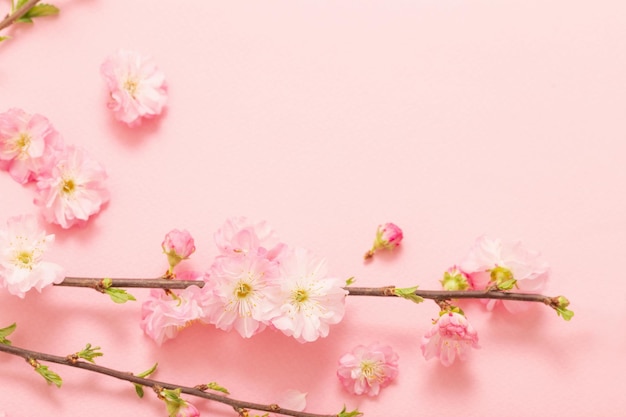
[[178, 245], [388, 236], [454, 280], [503, 278]]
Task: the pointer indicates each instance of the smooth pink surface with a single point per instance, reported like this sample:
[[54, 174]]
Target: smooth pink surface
[[451, 119]]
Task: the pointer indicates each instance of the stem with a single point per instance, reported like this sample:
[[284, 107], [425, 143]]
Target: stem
[[12, 17], [237, 405], [435, 295]]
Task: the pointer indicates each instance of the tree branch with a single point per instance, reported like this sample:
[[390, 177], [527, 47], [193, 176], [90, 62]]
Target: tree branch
[[238, 405], [12, 17]]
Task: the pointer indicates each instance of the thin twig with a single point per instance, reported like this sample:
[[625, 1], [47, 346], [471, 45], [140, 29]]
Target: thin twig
[[31, 355], [12, 17]]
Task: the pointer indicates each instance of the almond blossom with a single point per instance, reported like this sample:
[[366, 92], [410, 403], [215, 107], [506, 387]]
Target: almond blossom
[[74, 190], [22, 246], [450, 337], [388, 236], [367, 369], [29, 144], [164, 314], [492, 261], [244, 288], [239, 236], [178, 245], [137, 86], [309, 301]]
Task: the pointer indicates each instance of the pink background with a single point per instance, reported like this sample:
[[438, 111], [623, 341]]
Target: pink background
[[450, 118]]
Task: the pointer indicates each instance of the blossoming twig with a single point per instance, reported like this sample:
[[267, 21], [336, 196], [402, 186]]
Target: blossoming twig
[[239, 406], [12, 17]]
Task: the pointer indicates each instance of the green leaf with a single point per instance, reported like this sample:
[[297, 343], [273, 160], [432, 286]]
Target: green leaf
[[4, 38], [6, 332], [345, 413], [119, 295], [350, 281], [217, 387], [565, 313], [18, 5], [24, 19], [89, 353], [507, 285], [409, 294], [51, 377], [41, 10], [139, 387], [173, 402]]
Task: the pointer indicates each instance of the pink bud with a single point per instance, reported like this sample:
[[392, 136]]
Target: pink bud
[[178, 245], [388, 236], [189, 410]]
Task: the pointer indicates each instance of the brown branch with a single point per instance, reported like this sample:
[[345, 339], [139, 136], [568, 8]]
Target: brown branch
[[12, 17], [30, 355]]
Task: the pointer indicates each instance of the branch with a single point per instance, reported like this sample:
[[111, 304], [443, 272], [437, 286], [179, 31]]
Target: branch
[[12, 17], [237, 405]]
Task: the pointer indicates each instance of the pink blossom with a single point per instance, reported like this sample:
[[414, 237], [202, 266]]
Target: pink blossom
[[178, 245], [388, 236], [29, 144], [239, 237], [22, 246], [137, 86], [492, 258], [163, 315], [244, 286], [309, 301], [74, 190], [451, 336], [367, 369]]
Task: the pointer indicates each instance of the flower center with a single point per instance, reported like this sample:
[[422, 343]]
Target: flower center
[[68, 186], [130, 85], [300, 295], [23, 141], [24, 260], [242, 290], [371, 370]]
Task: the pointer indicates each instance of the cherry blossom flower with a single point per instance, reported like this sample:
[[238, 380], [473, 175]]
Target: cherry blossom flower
[[367, 369], [22, 246], [238, 236], [491, 260], [74, 190], [450, 337], [137, 86], [178, 245], [164, 314], [188, 410], [309, 301], [29, 144], [388, 236], [244, 287]]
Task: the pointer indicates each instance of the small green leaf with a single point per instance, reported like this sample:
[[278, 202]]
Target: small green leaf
[[565, 313], [173, 402], [6, 332], [89, 353], [507, 285], [106, 283], [24, 19], [40, 10], [139, 387], [217, 387], [345, 413], [409, 294], [4, 38], [119, 295], [350, 281], [18, 5], [50, 376]]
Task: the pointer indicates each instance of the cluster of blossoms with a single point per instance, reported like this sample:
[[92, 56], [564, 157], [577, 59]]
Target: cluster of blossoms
[[254, 283], [137, 87], [70, 184]]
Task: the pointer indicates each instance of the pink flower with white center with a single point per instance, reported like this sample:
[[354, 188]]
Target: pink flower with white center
[[239, 237], [388, 236], [74, 190], [163, 315], [178, 245], [367, 369], [137, 86], [491, 259], [22, 246], [244, 287], [308, 301], [450, 337], [29, 144]]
